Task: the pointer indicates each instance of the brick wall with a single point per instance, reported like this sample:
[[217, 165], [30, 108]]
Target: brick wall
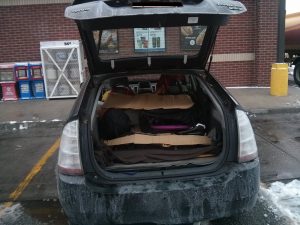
[[238, 36], [23, 27], [266, 39]]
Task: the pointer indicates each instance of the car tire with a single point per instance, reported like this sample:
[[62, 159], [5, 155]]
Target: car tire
[[297, 74]]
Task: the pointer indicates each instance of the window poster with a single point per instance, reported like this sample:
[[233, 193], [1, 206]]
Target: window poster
[[149, 39], [109, 41], [191, 37]]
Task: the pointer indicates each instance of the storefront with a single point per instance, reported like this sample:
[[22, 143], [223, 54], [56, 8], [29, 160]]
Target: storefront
[[243, 54]]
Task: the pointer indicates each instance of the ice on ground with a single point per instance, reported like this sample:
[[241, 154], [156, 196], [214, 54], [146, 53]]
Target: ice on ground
[[27, 121], [55, 120], [286, 197], [11, 213], [23, 126]]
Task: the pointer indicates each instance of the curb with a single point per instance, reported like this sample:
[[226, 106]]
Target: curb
[[273, 111], [25, 125]]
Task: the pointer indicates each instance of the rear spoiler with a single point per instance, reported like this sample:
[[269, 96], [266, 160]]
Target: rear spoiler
[[130, 2], [109, 9]]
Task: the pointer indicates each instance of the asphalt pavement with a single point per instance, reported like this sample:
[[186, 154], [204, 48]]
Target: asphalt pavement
[[19, 152], [278, 141]]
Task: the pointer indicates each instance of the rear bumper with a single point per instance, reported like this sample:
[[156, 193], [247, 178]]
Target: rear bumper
[[206, 197]]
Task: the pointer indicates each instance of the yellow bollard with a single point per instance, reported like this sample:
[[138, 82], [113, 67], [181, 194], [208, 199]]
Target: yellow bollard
[[279, 79]]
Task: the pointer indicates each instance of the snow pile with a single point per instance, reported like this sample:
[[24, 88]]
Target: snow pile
[[287, 198]]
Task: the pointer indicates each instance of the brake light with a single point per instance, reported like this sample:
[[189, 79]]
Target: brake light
[[69, 161], [247, 142]]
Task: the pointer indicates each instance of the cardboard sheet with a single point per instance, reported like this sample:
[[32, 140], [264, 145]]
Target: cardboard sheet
[[166, 139], [148, 101]]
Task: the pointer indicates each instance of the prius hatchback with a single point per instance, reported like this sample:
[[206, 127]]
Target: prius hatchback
[[153, 137]]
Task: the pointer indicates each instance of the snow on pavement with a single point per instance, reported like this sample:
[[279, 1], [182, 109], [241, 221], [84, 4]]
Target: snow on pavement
[[286, 197], [11, 213]]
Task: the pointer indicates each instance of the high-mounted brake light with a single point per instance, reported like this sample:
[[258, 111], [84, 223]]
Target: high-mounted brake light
[[69, 161], [247, 143], [153, 3]]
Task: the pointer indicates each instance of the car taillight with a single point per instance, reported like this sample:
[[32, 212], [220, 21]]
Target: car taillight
[[69, 161], [247, 143]]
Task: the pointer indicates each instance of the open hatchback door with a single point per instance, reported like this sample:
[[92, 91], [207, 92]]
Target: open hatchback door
[[126, 35]]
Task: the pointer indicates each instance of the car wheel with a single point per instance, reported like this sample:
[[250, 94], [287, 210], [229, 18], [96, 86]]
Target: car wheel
[[297, 74]]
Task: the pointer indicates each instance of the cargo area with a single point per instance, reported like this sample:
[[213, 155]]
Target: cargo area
[[156, 121]]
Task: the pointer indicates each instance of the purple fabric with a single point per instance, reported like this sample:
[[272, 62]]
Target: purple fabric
[[169, 127]]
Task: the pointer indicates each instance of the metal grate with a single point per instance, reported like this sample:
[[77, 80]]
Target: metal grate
[[63, 71]]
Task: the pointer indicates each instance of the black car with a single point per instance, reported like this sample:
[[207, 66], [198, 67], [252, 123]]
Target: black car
[[153, 137]]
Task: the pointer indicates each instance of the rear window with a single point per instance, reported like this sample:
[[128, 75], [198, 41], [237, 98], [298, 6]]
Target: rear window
[[140, 42]]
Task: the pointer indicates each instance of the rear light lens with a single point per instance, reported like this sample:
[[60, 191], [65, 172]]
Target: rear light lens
[[247, 143], [69, 161]]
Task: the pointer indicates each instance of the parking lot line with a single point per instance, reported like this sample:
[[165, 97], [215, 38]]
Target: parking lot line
[[34, 171]]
